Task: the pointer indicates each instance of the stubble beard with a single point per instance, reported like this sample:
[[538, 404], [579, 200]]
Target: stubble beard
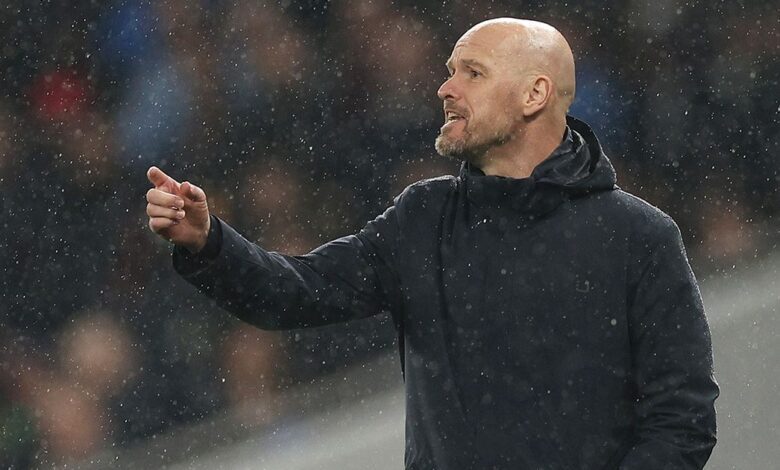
[[463, 150]]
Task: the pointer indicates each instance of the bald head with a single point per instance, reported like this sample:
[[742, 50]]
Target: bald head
[[531, 48], [505, 102]]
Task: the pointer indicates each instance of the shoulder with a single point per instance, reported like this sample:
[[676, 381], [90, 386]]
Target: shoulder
[[638, 214], [427, 191], [420, 199], [628, 217], [649, 229]]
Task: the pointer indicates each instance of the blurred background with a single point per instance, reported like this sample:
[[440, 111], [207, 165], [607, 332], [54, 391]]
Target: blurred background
[[301, 120]]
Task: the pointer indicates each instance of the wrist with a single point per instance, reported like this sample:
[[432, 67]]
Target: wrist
[[201, 239], [209, 247]]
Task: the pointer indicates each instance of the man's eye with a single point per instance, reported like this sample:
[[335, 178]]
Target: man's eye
[[475, 74]]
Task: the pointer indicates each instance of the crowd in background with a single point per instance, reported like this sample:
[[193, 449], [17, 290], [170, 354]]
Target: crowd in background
[[301, 120]]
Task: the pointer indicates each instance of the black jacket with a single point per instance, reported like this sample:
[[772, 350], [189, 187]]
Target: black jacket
[[551, 322]]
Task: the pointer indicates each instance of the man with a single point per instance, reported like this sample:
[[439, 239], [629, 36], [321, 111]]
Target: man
[[546, 319]]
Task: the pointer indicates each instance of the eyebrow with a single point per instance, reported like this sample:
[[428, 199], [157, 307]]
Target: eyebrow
[[468, 62]]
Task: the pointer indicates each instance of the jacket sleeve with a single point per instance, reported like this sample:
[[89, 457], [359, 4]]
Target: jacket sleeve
[[348, 278], [672, 361]]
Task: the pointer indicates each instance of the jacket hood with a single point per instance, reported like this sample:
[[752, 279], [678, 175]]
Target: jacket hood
[[576, 168]]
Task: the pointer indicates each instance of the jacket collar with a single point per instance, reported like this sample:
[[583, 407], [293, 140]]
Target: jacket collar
[[578, 166]]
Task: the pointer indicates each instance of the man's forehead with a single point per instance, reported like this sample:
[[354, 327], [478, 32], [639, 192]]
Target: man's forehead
[[473, 62], [481, 48]]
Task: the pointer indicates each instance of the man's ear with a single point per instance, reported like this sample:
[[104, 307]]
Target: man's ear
[[537, 95]]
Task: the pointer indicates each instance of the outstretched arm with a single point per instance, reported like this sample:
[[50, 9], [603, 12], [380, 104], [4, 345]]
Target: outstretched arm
[[351, 277], [344, 279]]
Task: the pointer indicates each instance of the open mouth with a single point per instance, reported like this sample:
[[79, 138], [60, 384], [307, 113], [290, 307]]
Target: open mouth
[[452, 116]]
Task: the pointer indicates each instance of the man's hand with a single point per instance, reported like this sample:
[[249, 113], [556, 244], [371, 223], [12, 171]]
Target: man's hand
[[177, 211]]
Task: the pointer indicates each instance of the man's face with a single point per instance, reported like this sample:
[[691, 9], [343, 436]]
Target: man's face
[[481, 97]]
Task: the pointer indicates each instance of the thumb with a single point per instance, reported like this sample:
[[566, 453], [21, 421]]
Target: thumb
[[158, 178], [193, 192]]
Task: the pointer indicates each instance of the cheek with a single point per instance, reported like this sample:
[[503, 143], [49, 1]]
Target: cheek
[[497, 109], [507, 102], [492, 115], [512, 105], [505, 114]]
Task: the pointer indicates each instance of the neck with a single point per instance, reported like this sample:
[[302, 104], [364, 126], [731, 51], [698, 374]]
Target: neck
[[518, 157]]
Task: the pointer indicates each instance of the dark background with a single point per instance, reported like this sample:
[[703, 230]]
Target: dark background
[[301, 120]]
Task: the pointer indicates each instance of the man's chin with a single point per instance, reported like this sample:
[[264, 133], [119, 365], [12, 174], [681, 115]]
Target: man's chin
[[472, 152], [456, 149], [450, 148]]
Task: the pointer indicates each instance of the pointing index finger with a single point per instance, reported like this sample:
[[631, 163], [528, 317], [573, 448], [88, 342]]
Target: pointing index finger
[[158, 178]]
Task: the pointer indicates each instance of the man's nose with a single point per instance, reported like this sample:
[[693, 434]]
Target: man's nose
[[447, 90]]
